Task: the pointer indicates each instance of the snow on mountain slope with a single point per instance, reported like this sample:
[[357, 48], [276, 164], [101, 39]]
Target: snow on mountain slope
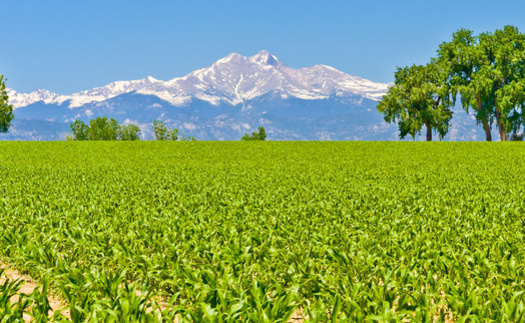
[[234, 79], [78, 99]]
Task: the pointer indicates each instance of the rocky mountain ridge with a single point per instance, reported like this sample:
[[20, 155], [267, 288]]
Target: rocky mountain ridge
[[233, 79], [234, 95]]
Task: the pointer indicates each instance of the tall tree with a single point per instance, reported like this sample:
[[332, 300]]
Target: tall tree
[[505, 50], [463, 59], [420, 96], [487, 71], [6, 109]]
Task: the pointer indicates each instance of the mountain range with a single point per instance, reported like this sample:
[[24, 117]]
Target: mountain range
[[233, 96]]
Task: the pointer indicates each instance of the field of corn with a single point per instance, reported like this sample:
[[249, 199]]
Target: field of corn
[[264, 231]]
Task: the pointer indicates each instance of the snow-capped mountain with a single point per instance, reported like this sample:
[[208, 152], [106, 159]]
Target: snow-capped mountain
[[234, 79], [234, 95]]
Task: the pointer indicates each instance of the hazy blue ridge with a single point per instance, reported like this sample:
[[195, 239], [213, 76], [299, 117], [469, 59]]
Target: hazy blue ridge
[[284, 119]]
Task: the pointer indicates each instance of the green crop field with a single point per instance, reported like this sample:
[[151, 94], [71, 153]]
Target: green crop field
[[265, 231]]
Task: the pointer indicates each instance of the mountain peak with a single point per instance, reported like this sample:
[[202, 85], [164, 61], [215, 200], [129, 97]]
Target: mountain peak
[[233, 79], [151, 79], [43, 93], [229, 58], [265, 58]]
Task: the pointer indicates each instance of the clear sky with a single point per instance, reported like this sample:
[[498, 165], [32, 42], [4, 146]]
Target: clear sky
[[68, 46]]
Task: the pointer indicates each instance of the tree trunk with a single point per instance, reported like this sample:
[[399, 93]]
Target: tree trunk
[[488, 134], [503, 135], [487, 130], [429, 131], [502, 132]]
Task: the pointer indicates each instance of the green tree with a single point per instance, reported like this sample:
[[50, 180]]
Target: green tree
[[173, 134], [129, 132], [6, 109], [420, 96], [464, 60], [79, 130], [160, 131], [487, 71], [103, 128], [506, 52], [260, 134]]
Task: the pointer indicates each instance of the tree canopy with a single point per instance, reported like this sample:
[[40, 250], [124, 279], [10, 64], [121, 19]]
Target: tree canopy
[[79, 130], [129, 132], [6, 109], [162, 132], [487, 73], [102, 128], [420, 96]]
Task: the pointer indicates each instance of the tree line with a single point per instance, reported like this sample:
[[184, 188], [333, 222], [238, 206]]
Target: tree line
[[486, 73], [102, 128], [258, 135]]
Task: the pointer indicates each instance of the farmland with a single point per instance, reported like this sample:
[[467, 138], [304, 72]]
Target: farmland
[[265, 231]]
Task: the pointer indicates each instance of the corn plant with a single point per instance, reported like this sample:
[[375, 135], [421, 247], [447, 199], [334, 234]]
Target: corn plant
[[264, 231]]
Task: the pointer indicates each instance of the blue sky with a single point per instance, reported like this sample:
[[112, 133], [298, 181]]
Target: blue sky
[[69, 46]]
